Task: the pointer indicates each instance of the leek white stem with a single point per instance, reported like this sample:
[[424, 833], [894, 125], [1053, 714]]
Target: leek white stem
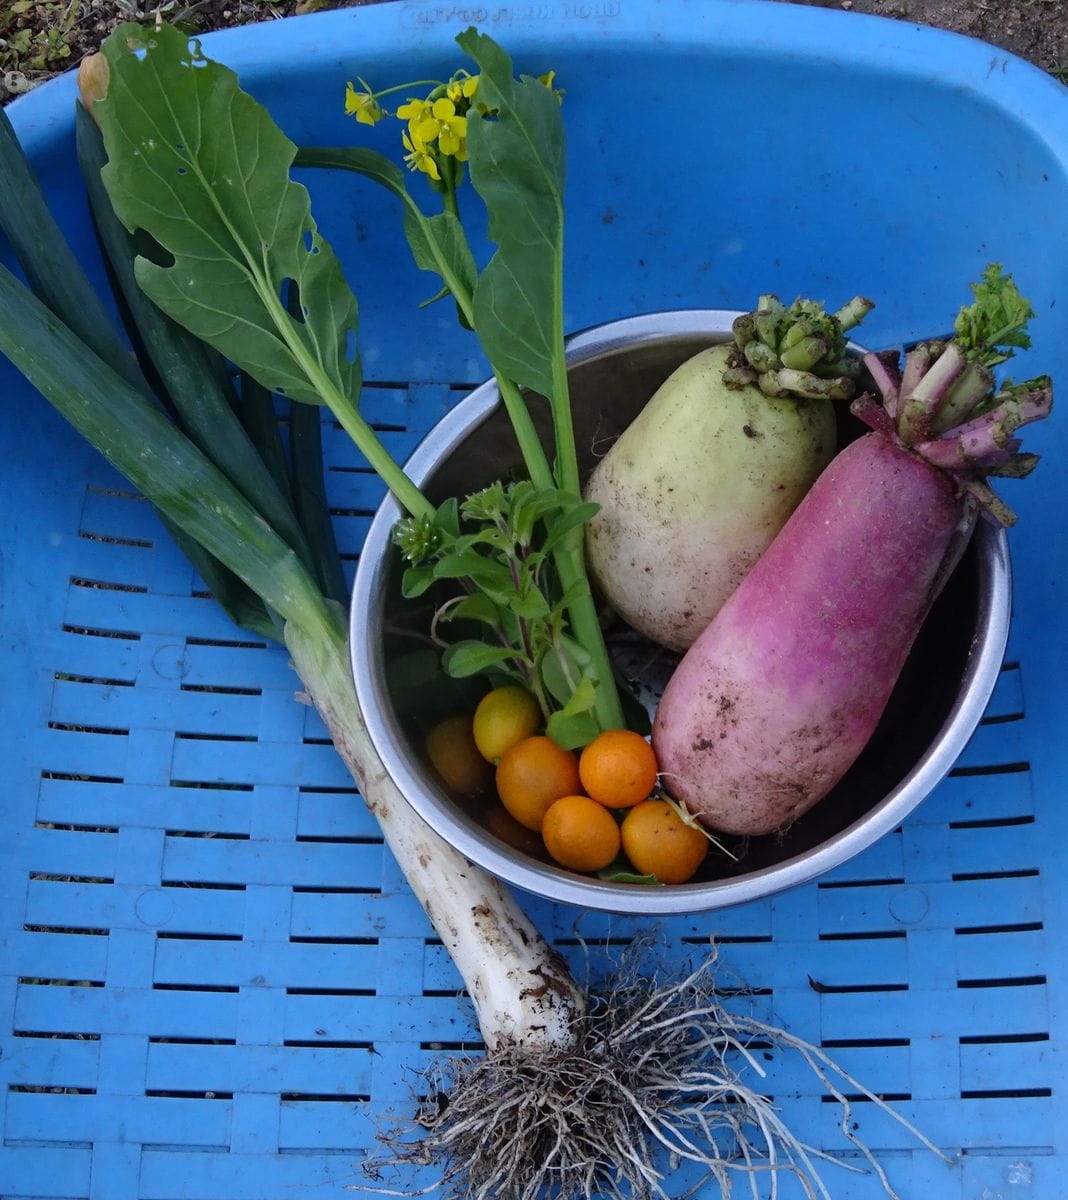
[[521, 988]]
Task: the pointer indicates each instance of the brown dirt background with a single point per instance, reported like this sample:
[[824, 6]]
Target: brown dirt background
[[1036, 30]]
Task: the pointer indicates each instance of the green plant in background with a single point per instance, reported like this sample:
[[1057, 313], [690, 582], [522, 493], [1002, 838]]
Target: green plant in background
[[40, 39], [35, 41]]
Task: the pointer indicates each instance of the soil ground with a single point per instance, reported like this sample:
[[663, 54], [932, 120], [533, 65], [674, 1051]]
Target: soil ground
[[1034, 29], [39, 38]]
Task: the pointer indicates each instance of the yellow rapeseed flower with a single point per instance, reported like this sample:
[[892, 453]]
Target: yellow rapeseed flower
[[436, 121], [451, 128], [462, 87], [414, 111], [362, 105], [420, 157], [547, 80]]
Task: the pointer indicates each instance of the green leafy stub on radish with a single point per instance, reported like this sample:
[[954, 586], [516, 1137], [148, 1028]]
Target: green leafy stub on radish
[[697, 486], [777, 698]]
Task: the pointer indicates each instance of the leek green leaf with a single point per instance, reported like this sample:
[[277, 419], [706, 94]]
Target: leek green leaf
[[158, 459], [52, 269]]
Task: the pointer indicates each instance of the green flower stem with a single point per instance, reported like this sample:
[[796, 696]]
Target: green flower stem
[[451, 174], [403, 87], [534, 457], [567, 468], [381, 461], [570, 555], [367, 441], [570, 561]]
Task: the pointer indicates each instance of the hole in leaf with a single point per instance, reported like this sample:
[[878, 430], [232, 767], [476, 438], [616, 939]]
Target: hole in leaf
[[147, 247], [290, 295], [350, 345]]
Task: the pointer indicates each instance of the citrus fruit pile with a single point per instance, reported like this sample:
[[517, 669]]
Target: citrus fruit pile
[[590, 811]]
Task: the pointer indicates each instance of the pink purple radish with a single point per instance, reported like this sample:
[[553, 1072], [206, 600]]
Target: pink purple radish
[[778, 696]]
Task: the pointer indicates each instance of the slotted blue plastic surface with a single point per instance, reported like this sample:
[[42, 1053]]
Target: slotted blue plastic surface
[[212, 975]]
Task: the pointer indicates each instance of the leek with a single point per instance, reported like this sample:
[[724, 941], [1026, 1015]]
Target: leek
[[502, 958]]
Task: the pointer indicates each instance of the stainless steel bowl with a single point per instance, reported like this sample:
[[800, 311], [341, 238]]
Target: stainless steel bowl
[[936, 706]]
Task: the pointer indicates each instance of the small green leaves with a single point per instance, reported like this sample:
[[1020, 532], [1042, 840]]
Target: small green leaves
[[496, 545], [474, 658], [989, 330], [620, 874], [575, 724], [798, 350], [417, 580]]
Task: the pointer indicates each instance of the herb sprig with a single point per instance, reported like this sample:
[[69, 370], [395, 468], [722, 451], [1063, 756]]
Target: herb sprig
[[498, 546]]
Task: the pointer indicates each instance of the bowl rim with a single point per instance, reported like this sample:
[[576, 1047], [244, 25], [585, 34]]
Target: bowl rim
[[557, 883]]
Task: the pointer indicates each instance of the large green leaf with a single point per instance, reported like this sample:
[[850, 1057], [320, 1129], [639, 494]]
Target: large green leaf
[[201, 166], [190, 373], [517, 167]]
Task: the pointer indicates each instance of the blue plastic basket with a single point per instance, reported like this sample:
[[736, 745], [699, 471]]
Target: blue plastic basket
[[213, 976]]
